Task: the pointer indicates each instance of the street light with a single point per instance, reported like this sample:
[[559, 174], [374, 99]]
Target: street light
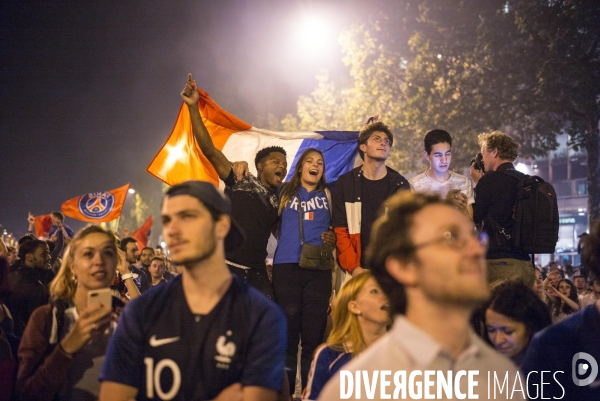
[[131, 191], [313, 34]]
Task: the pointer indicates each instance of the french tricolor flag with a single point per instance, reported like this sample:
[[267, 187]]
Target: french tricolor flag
[[180, 158], [309, 215]]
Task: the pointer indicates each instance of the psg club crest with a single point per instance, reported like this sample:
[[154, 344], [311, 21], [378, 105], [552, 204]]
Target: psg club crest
[[96, 205]]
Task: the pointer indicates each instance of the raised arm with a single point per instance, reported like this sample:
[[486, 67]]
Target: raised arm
[[31, 221], [123, 268], [218, 160]]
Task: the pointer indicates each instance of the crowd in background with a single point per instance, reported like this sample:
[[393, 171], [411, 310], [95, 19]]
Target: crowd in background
[[53, 340]]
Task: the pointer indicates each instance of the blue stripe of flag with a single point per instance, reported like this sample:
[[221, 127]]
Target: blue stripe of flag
[[339, 150]]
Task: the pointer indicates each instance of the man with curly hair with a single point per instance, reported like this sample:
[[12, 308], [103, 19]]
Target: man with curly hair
[[496, 188]]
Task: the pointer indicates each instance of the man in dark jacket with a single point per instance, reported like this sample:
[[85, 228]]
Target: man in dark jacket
[[359, 194], [495, 196], [29, 283]]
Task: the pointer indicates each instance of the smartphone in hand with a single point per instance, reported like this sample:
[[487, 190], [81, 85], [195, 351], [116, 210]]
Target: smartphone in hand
[[102, 297]]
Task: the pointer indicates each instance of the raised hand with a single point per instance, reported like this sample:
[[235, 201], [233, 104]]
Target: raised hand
[[122, 265], [240, 169], [475, 174], [189, 94]]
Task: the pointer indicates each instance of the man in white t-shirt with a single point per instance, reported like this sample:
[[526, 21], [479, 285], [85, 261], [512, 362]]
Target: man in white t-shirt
[[438, 179]]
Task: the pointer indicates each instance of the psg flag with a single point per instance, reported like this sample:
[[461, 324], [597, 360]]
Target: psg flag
[[97, 207]]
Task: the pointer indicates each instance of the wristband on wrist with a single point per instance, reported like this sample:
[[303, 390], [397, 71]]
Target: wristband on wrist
[[129, 275]]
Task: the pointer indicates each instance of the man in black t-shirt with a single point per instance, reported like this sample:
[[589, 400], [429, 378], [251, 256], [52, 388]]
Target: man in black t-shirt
[[254, 201], [206, 334], [359, 194]]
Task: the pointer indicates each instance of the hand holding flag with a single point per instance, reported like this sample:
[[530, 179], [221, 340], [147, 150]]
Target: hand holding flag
[[42, 224], [206, 155], [189, 94]]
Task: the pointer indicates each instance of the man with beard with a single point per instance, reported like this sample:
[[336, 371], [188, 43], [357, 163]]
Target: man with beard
[[29, 282], [146, 257], [359, 194], [253, 199], [206, 334], [430, 262], [130, 248]]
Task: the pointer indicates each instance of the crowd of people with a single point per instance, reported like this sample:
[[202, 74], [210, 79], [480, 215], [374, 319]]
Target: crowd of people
[[428, 284]]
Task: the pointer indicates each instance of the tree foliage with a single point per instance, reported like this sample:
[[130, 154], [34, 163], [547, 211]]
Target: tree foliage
[[528, 67]]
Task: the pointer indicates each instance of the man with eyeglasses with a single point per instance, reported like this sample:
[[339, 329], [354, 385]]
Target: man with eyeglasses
[[359, 194], [430, 262]]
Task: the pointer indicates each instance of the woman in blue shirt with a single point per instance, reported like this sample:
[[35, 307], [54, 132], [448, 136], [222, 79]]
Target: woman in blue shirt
[[303, 294]]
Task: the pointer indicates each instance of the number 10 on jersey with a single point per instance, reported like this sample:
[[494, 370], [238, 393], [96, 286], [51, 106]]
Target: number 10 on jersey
[[153, 373]]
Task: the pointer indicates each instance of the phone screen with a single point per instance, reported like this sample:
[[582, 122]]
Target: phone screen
[[102, 297]]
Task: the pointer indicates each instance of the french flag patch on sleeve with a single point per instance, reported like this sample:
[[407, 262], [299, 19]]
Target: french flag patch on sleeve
[[309, 215]]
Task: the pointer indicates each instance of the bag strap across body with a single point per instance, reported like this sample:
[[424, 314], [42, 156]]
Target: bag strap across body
[[300, 213]]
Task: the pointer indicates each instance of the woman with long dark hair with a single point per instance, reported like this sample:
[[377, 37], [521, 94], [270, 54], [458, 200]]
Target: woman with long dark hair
[[303, 294], [565, 300], [513, 315]]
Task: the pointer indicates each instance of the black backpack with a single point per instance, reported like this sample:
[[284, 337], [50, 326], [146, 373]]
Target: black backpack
[[535, 215]]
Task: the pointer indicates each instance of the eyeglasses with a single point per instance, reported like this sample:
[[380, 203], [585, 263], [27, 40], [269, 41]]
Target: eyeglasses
[[379, 139], [456, 241]]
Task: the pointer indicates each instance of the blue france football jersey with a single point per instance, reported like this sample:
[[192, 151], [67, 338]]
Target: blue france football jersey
[[168, 353], [316, 219]]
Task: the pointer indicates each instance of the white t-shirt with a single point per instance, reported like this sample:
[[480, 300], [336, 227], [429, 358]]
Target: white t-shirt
[[587, 300], [424, 183]]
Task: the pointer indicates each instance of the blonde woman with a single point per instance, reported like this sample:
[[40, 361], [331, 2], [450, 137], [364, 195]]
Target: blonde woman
[[63, 346], [360, 316]]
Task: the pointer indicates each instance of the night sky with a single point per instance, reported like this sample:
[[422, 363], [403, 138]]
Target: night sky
[[89, 90]]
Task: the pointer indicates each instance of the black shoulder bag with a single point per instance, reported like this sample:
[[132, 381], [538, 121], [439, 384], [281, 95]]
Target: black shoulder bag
[[314, 257]]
